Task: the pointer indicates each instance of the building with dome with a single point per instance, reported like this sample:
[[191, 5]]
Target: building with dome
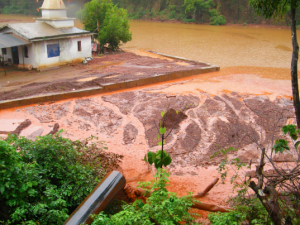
[[51, 41]]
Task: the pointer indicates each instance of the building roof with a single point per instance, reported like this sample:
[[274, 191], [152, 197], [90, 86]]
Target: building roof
[[10, 39], [43, 31], [53, 4]]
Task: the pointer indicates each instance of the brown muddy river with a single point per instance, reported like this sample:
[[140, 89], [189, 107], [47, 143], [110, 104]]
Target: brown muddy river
[[225, 46], [254, 48]]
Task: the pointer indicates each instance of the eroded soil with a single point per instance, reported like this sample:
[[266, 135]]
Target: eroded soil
[[219, 110], [205, 123]]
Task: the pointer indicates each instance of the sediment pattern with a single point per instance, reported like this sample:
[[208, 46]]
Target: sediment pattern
[[199, 125]]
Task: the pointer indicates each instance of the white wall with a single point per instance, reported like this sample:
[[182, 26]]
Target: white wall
[[8, 54], [54, 13], [61, 23], [68, 51], [30, 60]]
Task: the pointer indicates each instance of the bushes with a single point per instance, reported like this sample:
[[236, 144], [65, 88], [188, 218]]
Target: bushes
[[215, 18], [162, 207], [44, 180]]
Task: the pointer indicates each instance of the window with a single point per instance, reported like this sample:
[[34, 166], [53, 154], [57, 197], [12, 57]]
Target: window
[[4, 51], [79, 45], [25, 51], [53, 50]]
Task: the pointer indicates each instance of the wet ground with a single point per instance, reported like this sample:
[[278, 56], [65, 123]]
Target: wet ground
[[219, 111], [107, 69]]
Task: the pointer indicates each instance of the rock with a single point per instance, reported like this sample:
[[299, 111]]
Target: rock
[[192, 137], [129, 134], [35, 134], [249, 155], [280, 157], [62, 110], [149, 113], [124, 101], [55, 129], [90, 112]]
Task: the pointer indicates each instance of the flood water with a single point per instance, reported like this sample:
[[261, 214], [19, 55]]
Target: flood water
[[225, 46]]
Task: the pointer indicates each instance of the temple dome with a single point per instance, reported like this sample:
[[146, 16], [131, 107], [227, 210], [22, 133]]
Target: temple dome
[[53, 4]]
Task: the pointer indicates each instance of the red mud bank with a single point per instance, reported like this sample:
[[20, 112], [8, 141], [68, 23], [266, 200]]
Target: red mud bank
[[126, 122]]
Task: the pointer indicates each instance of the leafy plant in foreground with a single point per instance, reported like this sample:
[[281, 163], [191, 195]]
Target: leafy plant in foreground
[[44, 180], [162, 207]]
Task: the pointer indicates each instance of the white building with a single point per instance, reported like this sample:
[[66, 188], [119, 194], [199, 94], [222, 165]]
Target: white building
[[51, 41]]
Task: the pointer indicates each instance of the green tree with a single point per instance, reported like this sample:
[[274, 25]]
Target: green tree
[[278, 8], [112, 22], [193, 7]]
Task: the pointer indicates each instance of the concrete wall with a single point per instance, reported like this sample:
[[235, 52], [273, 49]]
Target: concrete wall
[[61, 23], [8, 54], [54, 13], [68, 51], [31, 57]]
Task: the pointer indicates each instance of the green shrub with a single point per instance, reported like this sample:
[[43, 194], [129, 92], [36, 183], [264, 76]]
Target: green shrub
[[189, 20], [44, 180], [162, 207], [217, 20], [245, 208], [173, 15]]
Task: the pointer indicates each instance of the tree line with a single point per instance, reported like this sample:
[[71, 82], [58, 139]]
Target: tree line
[[201, 11]]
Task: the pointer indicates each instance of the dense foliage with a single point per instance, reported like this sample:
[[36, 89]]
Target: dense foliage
[[234, 11], [112, 22], [162, 207], [44, 180], [26, 7]]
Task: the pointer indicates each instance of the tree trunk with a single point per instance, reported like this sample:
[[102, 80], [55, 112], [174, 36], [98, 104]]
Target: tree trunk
[[294, 65], [271, 204]]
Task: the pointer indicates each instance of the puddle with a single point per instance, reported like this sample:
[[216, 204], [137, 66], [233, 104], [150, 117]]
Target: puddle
[[112, 76], [87, 79], [183, 64], [143, 67]]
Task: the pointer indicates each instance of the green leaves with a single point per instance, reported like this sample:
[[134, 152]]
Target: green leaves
[[291, 130], [113, 22], [152, 157], [44, 179], [161, 206], [280, 146], [162, 130]]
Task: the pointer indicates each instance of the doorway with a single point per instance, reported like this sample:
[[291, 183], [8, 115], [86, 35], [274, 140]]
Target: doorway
[[15, 55]]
